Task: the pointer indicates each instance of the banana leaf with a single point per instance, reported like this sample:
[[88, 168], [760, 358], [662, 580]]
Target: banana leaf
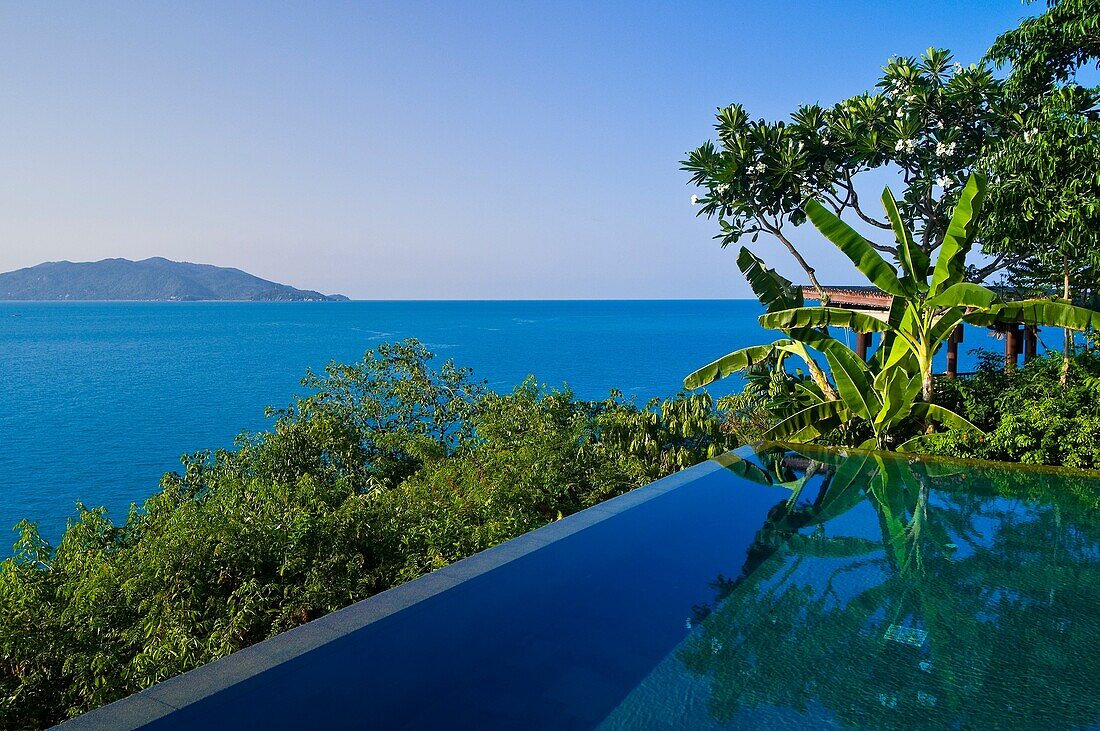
[[732, 363], [914, 259], [964, 294], [853, 382], [944, 416], [810, 423], [773, 290], [1051, 312], [951, 262], [811, 317], [855, 247], [948, 321], [900, 390]]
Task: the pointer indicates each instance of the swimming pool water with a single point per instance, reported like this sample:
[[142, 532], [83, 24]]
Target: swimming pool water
[[767, 589]]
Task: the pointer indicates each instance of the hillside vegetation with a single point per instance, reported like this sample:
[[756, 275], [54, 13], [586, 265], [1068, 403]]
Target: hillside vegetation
[[149, 280]]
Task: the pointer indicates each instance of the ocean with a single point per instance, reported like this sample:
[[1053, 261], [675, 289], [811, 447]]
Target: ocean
[[98, 400]]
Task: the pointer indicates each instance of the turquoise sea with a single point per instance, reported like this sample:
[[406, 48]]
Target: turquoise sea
[[97, 400]]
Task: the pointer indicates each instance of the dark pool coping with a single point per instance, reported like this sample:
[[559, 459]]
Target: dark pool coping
[[171, 695]]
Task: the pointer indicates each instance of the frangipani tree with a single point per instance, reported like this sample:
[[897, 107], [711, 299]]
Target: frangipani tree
[[929, 302], [928, 120]]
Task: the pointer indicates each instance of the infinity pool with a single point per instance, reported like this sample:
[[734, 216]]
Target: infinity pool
[[765, 589]]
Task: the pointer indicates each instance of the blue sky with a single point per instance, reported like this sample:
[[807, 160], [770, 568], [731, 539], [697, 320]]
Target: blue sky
[[419, 150]]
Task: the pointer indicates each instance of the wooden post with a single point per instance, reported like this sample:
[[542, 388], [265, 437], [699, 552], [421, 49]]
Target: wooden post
[[863, 342], [953, 352], [1014, 345], [1031, 342]]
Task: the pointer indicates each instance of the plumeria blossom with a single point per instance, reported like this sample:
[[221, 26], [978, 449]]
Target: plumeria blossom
[[905, 146], [945, 149], [1030, 135], [944, 182], [758, 168], [694, 200]]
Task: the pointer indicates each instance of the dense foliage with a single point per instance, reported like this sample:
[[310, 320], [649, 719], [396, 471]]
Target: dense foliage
[[1032, 139], [888, 402], [1026, 413], [928, 120], [390, 469]]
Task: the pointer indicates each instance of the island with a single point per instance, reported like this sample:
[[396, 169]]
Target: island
[[154, 280]]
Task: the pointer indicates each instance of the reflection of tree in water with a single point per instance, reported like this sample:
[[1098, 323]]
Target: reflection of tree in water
[[965, 606]]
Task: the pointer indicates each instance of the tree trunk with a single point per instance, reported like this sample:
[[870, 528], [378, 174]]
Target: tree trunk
[[1068, 344]]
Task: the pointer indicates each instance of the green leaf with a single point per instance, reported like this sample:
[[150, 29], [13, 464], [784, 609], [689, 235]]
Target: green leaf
[[811, 422], [856, 248], [899, 391], [1050, 312], [951, 262], [946, 323], [774, 291], [964, 294], [914, 260], [944, 416], [810, 317], [853, 381], [732, 363]]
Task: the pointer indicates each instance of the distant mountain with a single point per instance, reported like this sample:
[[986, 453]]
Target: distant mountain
[[155, 279]]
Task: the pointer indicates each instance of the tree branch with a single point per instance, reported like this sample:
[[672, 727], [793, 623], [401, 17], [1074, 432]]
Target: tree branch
[[775, 231], [1001, 261], [853, 197]]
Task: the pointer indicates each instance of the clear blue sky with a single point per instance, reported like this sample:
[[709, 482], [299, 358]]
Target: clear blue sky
[[418, 150]]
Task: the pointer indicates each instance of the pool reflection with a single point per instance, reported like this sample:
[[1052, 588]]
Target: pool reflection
[[889, 593]]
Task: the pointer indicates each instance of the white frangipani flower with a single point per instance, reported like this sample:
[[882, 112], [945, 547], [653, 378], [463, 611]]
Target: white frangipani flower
[[1030, 135], [945, 149], [944, 182], [694, 200], [905, 146], [758, 168]]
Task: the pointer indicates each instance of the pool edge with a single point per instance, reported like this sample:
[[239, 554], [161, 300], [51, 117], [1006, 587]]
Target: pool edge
[[162, 699]]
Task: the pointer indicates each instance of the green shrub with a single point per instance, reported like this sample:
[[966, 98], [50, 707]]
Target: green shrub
[[1027, 414]]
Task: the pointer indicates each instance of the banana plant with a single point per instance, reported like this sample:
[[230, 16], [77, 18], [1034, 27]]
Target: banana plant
[[776, 293], [885, 399], [929, 300], [892, 392]]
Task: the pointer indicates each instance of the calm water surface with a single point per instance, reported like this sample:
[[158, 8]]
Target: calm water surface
[[776, 591], [99, 399]]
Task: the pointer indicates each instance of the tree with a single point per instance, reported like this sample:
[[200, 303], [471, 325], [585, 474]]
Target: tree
[[928, 303], [1045, 173], [1045, 196], [1050, 48], [929, 120]]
